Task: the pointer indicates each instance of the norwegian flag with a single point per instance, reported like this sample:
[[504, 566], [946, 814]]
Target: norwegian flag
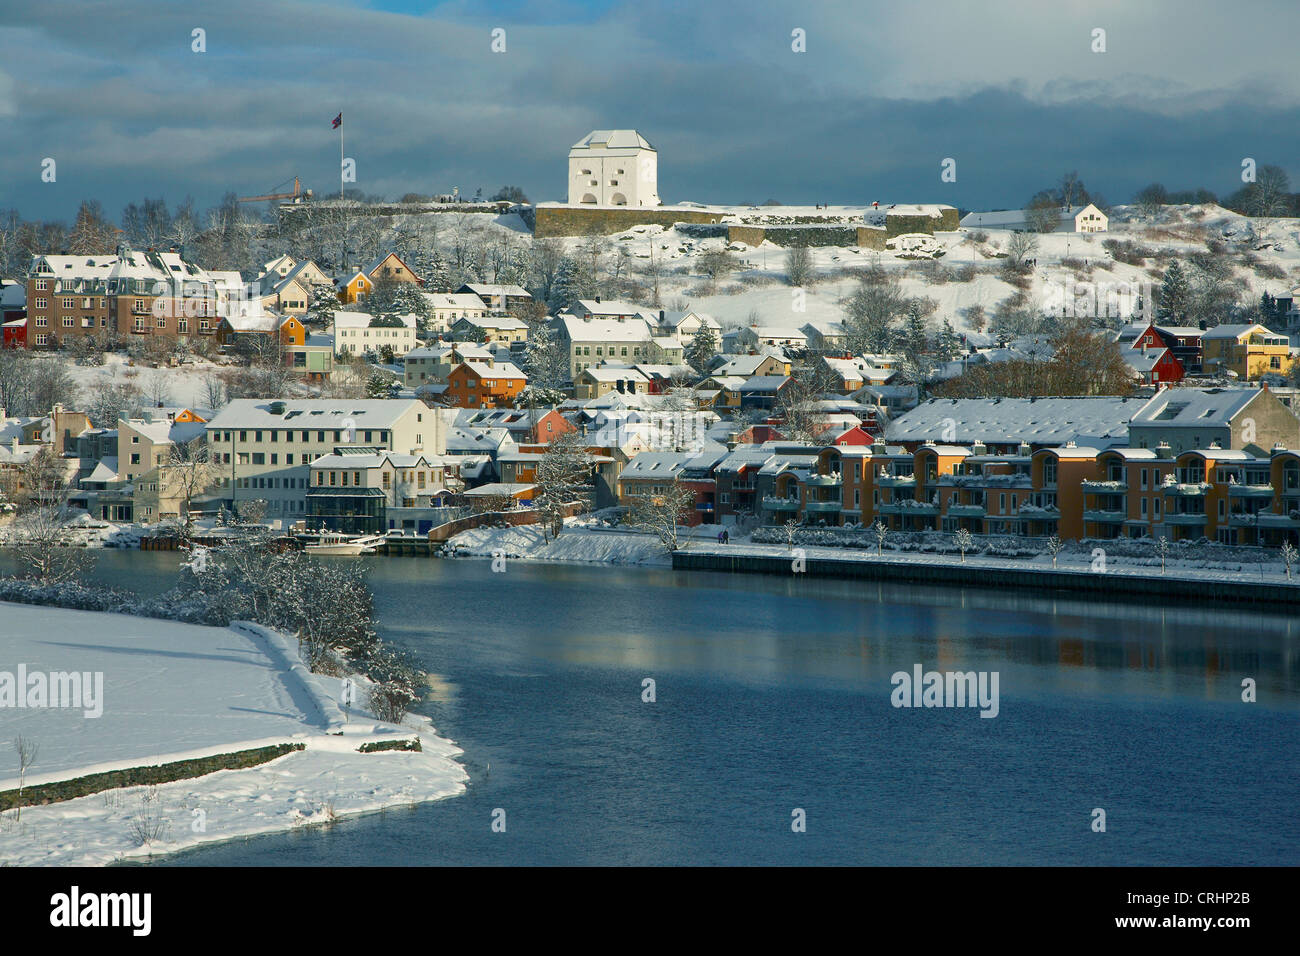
[[338, 121]]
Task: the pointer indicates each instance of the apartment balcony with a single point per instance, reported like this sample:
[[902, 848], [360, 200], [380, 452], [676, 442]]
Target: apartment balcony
[[822, 507], [1104, 517], [1185, 518], [1250, 491], [1268, 519], [895, 481], [1193, 490], [824, 481], [772, 503], [909, 508], [1243, 519], [966, 511], [1104, 487]]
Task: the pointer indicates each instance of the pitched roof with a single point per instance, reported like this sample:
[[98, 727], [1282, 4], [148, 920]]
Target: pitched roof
[[613, 139], [1038, 421], [313, 413]]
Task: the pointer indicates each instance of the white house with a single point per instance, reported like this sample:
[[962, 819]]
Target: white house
[[446, 307], [1075, 219], [353, 333], [613, 167], [1089, 219]]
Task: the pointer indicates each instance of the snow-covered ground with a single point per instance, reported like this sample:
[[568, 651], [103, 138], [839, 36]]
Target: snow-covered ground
[[175, 692]]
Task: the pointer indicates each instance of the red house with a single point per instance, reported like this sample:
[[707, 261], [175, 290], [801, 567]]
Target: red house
[[857, 435], [1155, 366], [15, 334]]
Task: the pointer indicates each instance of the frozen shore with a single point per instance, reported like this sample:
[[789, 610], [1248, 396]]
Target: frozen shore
[[170, 692]]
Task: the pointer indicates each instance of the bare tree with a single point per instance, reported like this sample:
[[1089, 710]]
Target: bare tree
[[42, 542], [26, 750], [881, 531], [1054, 546], [563, 478], [661, 512], [1020, 246], [799, 266], [189, 472], [964, 541]]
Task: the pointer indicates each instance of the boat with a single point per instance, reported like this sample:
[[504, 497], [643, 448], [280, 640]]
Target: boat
[[341, 544]]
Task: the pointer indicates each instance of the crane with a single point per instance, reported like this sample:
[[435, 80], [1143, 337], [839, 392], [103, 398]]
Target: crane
[[298, 194]]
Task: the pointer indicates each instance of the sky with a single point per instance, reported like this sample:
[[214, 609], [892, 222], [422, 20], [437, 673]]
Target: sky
[[880, 95]]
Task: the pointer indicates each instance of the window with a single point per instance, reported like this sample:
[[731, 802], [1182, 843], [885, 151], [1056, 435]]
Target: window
[[68, 322]]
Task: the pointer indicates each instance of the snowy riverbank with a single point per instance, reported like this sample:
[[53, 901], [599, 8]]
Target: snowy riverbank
[[583, 541], [173, 692]]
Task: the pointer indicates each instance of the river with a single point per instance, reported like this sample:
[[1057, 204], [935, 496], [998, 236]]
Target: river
[[772, 696]]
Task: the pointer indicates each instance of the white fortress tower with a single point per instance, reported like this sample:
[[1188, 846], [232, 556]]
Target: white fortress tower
[[613, 167]]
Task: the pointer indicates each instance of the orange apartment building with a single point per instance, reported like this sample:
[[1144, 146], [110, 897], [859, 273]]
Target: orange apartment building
[[1226, 495]]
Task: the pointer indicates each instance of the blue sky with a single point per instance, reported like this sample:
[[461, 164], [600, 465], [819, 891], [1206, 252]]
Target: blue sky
[[1010, 89]]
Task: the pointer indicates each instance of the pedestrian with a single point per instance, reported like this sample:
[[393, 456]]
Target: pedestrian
[[726, 536]]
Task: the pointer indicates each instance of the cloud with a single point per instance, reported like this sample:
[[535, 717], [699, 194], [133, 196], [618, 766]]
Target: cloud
[[885, 91]]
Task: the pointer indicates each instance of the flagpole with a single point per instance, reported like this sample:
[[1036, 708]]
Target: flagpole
[[341, 160]]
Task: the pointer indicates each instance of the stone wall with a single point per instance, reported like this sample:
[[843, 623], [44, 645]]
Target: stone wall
[[608, 220]]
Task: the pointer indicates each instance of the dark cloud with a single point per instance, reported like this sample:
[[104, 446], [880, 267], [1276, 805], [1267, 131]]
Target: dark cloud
[[1009, 89]]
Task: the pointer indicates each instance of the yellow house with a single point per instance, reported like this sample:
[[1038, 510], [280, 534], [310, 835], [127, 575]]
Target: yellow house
[[356, 288], [1248, 350]]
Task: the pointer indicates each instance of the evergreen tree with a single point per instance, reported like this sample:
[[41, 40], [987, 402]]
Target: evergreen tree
[[702, 347], [436, 275], [321, 307], [914, 336], [949, 342], [1175, 295], [378, 386], [569, 286]]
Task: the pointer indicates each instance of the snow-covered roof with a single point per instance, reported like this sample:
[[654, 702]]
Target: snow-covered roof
[[614, 373], [497, 370], [481, 289], [265, 322], [1041, 421], [1194, 407], [1233, 331], [597, 307], [362, 320], [498, 322], [656, 464], [105, 470], [604, 330], [454, 300], [313, 413], [609, 139], [162, 432]]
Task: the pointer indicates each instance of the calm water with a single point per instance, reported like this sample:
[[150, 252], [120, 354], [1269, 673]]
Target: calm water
[[774, 694]]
